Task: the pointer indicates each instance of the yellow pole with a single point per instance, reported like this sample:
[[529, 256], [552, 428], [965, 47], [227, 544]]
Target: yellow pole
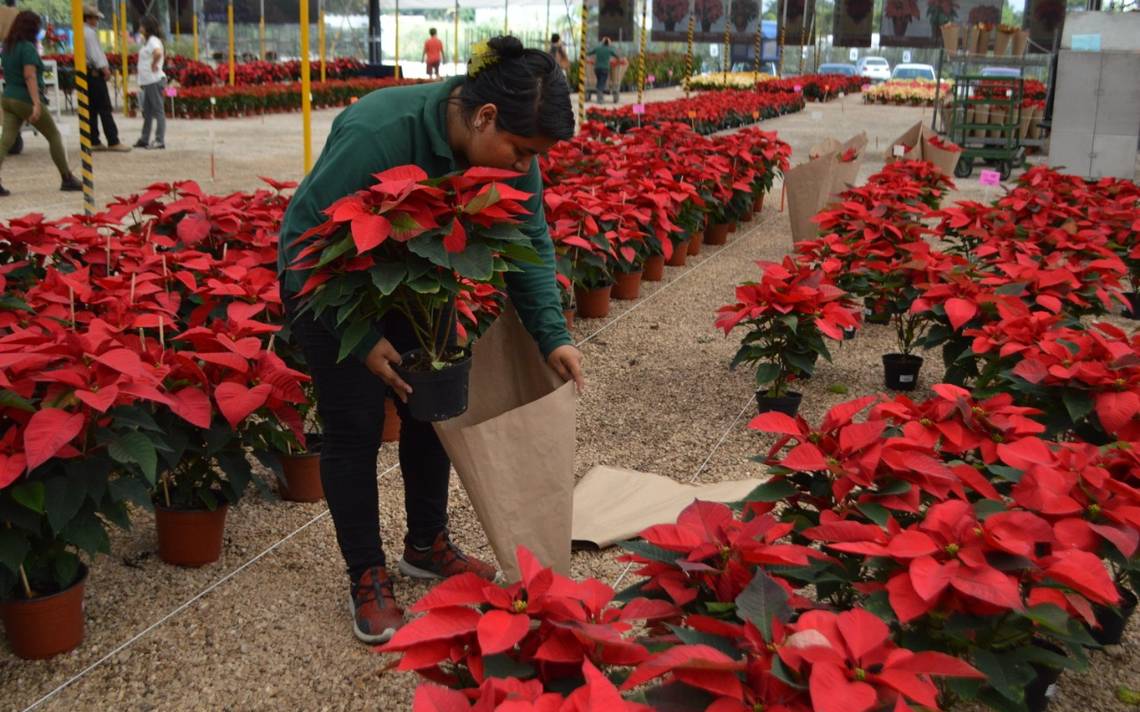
[[177, 19], [397, 39], [84, 110], [261, 33], [641, 55], [726, 60], [124, 56], [194, 29], [455, 47], [115, 30], [689, 51], [230, 27], [321, 40], [582, 64], [306, 89], [506, 16], [756, 52]]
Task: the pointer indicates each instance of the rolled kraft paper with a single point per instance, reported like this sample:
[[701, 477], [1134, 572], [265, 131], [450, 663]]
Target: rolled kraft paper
[[1026, 121], [1020, 43], [969, 118], [997, 118], [983, 44], [972, 38], [981, 116], [808, 186], [1001, 43], [942, 159], [843, 176], [951, 34], [910, 138]]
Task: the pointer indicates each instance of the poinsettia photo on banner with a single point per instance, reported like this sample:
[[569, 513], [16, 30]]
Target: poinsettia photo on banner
[[671, 20], [1043, 19], [798, 27], [615, 20], [917, 23], [853, 23]]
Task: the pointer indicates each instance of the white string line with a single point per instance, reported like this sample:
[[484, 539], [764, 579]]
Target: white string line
[[130, 641], [723, 437]]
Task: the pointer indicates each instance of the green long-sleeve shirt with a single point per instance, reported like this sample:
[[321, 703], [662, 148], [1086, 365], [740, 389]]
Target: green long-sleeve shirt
[[407, 125]]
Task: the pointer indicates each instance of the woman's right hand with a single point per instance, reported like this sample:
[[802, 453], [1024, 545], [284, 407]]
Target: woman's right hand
[[380, 360], [37, 110]]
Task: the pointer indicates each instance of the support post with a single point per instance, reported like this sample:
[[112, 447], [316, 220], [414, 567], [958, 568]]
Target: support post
[[321, 38], [374, 53], [726, 61], [689, 50], [194, 29], [83, 106], [124, 56], [306, 90], [398, 39], [582, 63], [455, 47], [261, 32], [641, 54], [230, 34]]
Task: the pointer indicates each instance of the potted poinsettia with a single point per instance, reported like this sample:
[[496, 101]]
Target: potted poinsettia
[[788, 313], [404, 246]]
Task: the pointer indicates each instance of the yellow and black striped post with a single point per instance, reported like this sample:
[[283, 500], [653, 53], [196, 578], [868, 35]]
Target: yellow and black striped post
[[321, 38], [756, 52], [584, 30], [87, 173], [725, 62], [689, 51], [230, 32], [124, 56], [641, 55], [306, 90]]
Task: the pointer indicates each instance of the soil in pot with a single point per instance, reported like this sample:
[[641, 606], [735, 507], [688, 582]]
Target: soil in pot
[[391, 431], [190, 537], [437, 394], [301, 473], [695, 242], [654, 269], [1132, 311], [788, 404], [627, 285], [593, 303], [1113, 620], [717, 234], [48, 625], [680, 253], [901, 371]]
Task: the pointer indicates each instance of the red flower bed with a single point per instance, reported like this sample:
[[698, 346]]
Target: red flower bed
[[706, 113]]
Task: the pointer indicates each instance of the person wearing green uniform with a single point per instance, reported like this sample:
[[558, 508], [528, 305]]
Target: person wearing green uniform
[[603, 54], [23, 96], [513, 104]]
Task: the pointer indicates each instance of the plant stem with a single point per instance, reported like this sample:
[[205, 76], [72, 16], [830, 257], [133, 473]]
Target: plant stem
[[166, 489], [24, 580]]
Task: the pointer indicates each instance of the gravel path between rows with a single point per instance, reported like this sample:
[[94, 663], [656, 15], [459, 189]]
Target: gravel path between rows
[[275, 634]]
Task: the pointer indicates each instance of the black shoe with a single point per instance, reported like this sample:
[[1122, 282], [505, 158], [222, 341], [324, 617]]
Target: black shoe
[[141, 144], [157, 146], [4, 192], [70, 184]]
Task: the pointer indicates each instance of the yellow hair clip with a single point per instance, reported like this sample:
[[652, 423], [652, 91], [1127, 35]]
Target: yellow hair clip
[[482, 56]]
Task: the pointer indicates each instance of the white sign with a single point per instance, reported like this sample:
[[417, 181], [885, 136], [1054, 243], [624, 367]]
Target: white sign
[[906, 57], [853, 54], [714, 50]]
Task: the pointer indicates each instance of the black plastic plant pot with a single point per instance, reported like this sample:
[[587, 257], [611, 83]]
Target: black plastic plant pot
[[901, 371], [436, 394], [1132, 311], [849, 332], [788, 404], [1041, 688], [1112, 621]]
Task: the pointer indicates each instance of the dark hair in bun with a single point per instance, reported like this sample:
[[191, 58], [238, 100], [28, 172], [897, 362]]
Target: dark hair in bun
[[526, 85]]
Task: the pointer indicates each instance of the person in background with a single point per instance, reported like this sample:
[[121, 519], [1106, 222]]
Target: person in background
[[603, 54], [98, 72], [152, 83], [23, 98], [558, 51], [433, 54]]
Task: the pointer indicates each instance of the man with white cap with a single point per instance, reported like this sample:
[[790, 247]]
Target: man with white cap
[[98, 97]]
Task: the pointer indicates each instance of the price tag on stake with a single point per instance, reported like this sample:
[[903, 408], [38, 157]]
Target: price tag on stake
[[172, 91], [651, 79], [990, 178], [213, 100], [898, 151], [639, 109], [755, 115], [692, 114], [797, 88]]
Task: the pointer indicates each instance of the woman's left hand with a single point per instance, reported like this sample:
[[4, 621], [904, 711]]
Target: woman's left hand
[[566, 361]]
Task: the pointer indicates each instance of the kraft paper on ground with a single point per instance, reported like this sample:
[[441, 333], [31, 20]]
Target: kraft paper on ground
[[514, 447], [612, 504]]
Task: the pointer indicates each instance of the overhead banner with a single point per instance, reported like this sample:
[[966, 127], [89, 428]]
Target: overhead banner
[[282, 12], [671, 21], [1043, 19], [918, 23], [798, 29], [854, 22], [615, 20]]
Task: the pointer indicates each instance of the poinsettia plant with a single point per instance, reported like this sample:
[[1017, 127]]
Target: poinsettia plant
[[404, 245]]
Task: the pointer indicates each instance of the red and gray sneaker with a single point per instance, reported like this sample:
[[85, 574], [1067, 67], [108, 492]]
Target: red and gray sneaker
[[375, 614], [442, 560]]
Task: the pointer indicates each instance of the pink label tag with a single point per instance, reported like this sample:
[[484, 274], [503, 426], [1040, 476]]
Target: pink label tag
[[172, 91], [866, 87], [989, 178], [639, 108], [651, 78], [797, 88]]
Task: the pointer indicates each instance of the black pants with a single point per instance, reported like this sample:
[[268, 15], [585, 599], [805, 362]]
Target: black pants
[[100, 103], [602, 77], [350, 403]]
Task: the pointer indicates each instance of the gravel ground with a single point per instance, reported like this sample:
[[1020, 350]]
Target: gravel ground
[[266, 627]]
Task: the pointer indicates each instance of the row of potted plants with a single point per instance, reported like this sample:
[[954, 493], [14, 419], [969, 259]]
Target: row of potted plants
[[707, 113], [905, 92], [904, 554], [190, 73], [219, 102], [816, 87]]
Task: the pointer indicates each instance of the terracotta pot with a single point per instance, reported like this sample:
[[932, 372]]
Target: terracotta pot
[[391, 432], [695, 241], [732, 226], [190, 537], [747, 217], [593, 303], [717, 234], [568, 315], [758, 204], [680, 253], [46, 626], [302, 477], [654, 269], [627, 285]]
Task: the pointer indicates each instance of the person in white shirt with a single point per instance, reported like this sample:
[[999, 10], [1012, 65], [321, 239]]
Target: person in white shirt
[[98, 72], [152, 82]]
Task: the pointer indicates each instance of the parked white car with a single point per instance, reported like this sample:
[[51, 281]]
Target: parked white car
[[913, 71], [876, 69]]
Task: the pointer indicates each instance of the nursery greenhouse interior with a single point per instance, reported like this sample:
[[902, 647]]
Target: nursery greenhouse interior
[[728, 355]]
